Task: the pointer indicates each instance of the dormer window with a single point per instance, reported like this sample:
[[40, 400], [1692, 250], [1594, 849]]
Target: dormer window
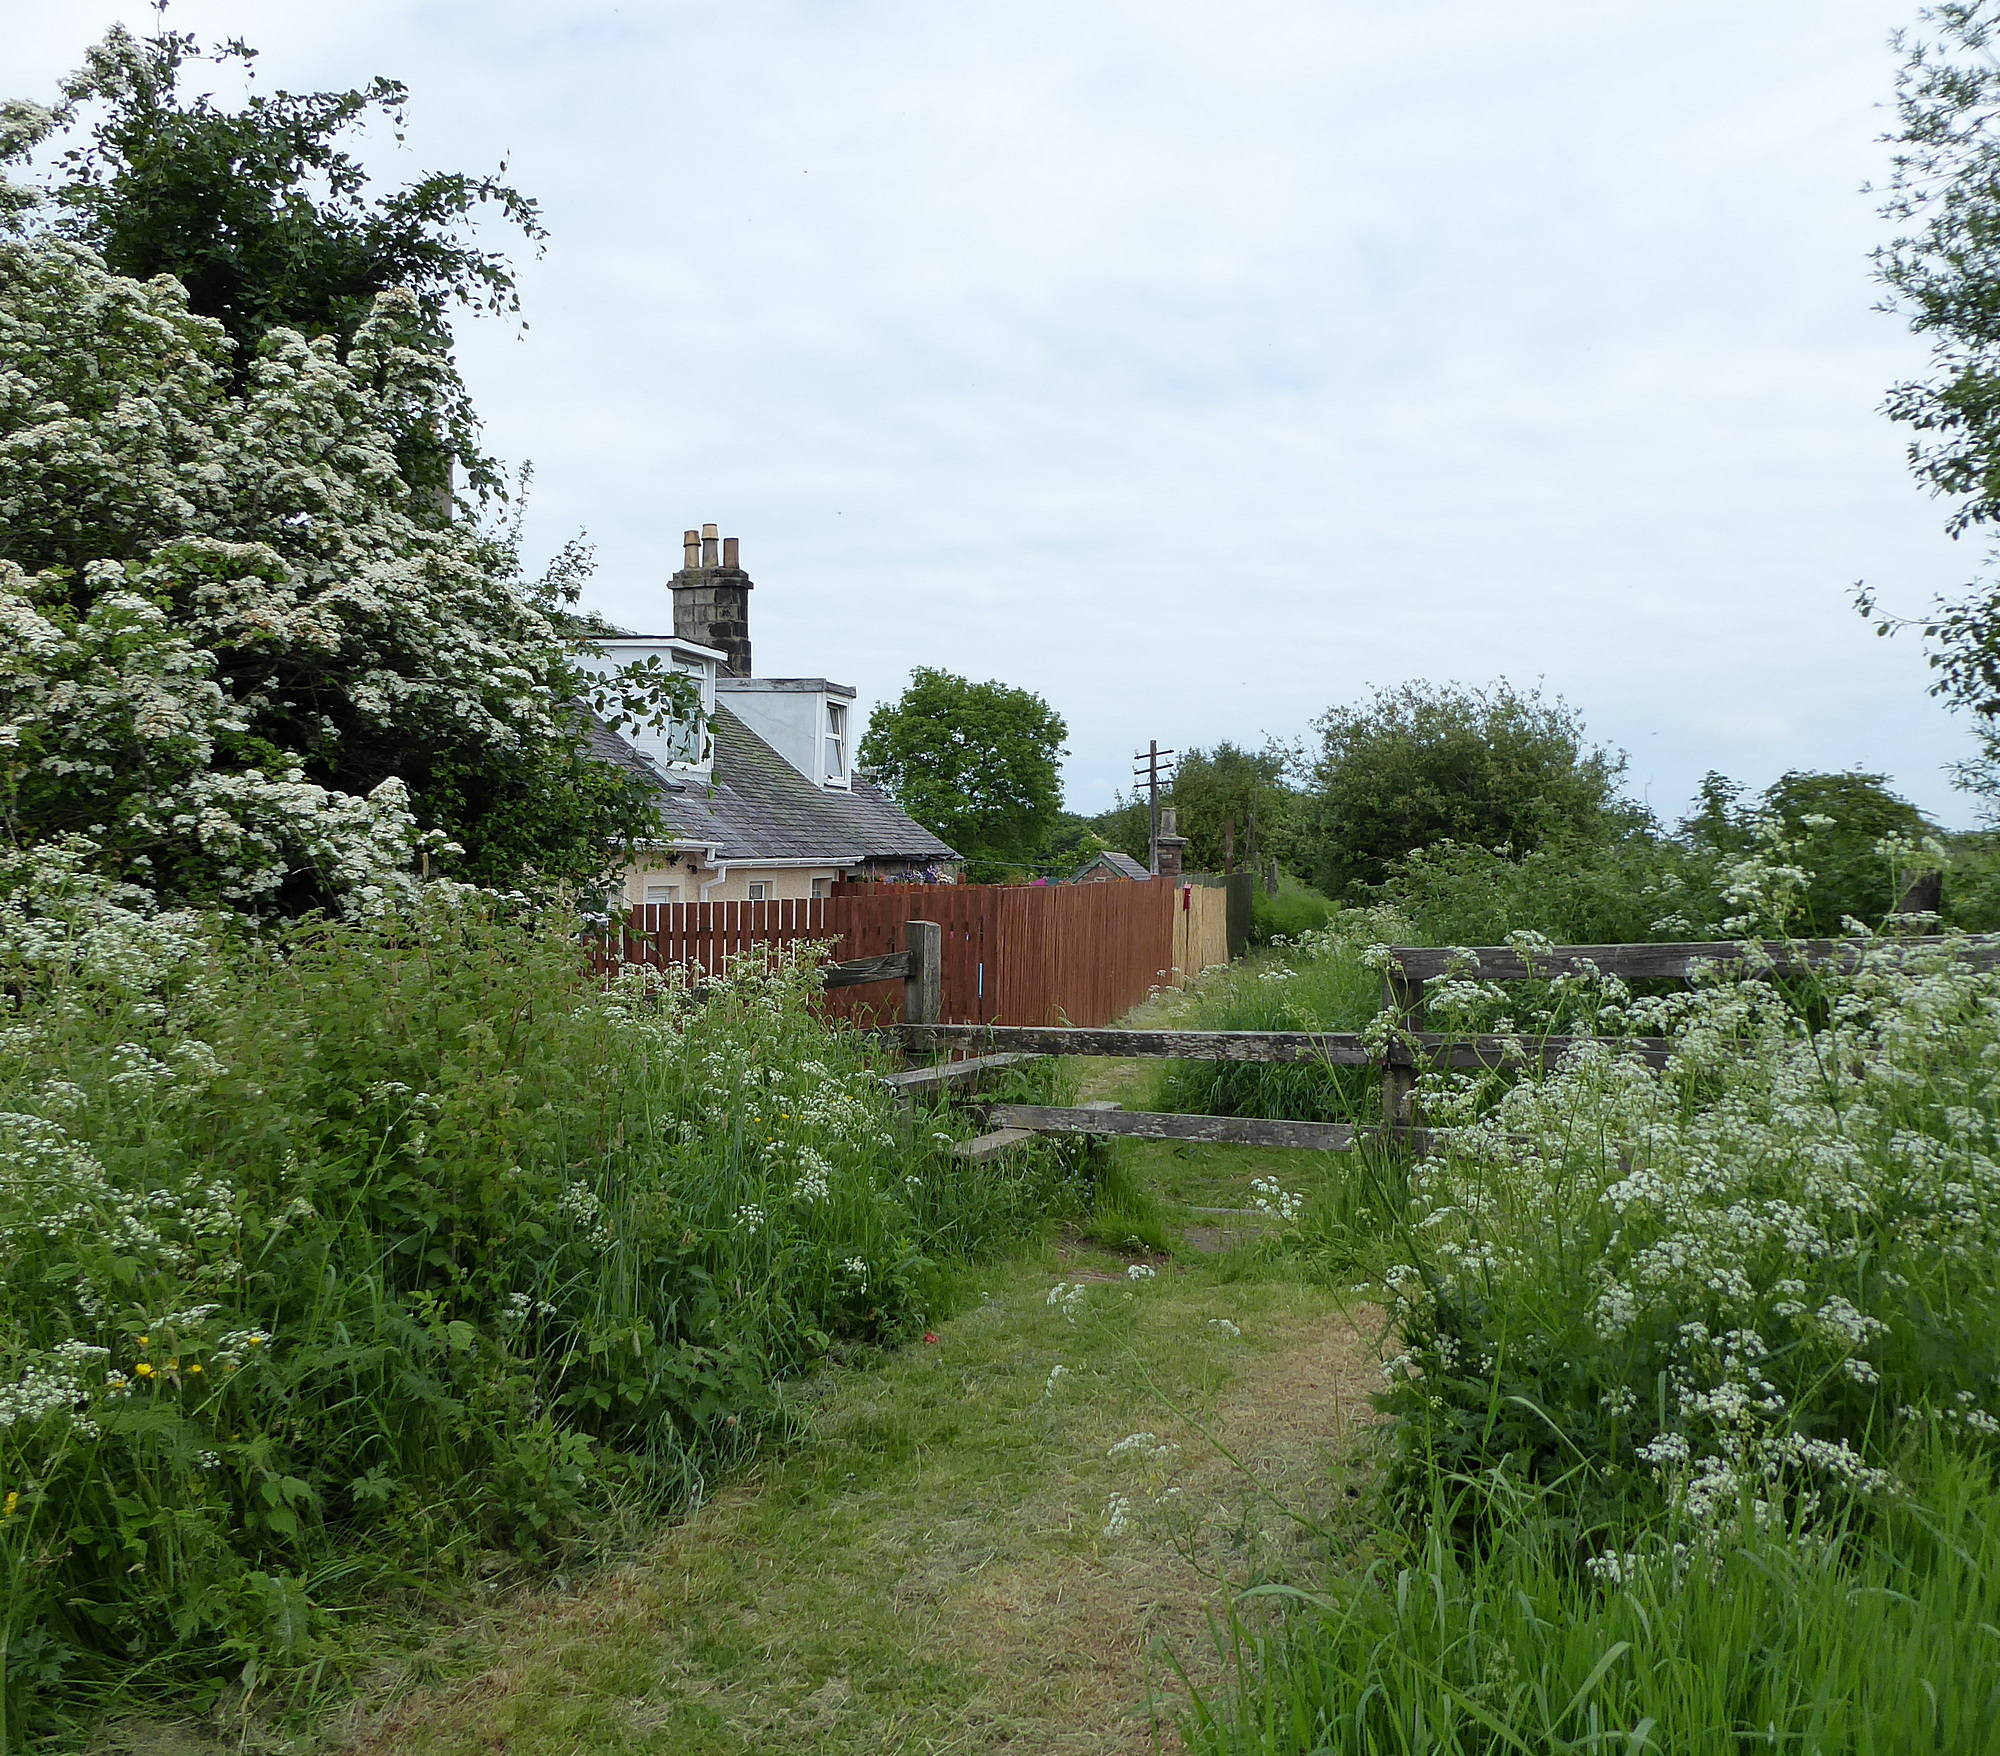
[[836, 741]]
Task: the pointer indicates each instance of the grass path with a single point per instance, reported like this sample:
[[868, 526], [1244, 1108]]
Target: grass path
[[968, 1550]]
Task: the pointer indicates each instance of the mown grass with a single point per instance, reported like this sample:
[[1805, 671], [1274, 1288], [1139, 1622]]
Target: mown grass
[[950, 1556]]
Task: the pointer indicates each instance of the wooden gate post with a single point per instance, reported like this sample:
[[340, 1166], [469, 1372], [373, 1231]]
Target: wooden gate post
[[1404, 999], [923, 989]]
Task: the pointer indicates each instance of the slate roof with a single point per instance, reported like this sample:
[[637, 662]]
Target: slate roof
[[1123, 864], [758, 806]]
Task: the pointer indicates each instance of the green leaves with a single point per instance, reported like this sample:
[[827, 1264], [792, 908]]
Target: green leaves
[[1429, 763], [975, 763]]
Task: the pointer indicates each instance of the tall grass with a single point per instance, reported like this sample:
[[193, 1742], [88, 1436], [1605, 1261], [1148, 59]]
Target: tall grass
[[338, 1263], [1318, 981], [1697, 1424], [1879, 1641]]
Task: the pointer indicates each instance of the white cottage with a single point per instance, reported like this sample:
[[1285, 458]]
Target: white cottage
[[759, 799]]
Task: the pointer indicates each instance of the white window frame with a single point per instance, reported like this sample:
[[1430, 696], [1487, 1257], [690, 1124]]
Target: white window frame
[[758, 889], [833, 745]]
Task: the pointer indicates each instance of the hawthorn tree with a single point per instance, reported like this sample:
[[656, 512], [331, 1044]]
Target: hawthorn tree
[[976, 764], [247, 654], [267, 218]]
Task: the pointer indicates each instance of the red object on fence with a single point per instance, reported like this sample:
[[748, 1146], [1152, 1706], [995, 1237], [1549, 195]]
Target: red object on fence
[[1082, 954]]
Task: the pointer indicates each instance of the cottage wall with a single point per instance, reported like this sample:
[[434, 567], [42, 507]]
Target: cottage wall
[[780, 882]]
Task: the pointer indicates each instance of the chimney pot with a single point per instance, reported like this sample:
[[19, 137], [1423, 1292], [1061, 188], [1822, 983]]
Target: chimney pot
[[711, 602]]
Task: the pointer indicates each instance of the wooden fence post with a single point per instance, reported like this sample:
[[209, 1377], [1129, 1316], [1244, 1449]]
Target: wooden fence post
[[923, 989], [1404, 999]]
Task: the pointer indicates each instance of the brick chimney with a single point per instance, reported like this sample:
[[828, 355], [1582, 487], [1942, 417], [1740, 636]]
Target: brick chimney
[[712, 599]]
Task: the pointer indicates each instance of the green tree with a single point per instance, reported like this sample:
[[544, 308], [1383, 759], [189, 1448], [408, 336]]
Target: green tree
[[266, 217], [974, 763], [1234, 805], [1072, 841], [1833, 823], [1426, 763], [1124, 828], [1943, 276]]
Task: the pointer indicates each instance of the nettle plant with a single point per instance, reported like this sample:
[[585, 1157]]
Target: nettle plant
[[245, 658], [1745, 1286]]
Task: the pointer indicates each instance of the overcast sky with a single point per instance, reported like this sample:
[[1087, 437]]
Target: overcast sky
[[1202, 365]]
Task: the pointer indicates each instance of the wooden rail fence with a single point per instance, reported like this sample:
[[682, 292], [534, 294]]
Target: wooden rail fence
[[1399, 1057], [1411, 966]]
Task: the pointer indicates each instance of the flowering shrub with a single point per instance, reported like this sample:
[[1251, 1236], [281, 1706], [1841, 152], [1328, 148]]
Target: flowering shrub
[[243, 659], [1698, 1402], [351, 1254], [1754, 1273]]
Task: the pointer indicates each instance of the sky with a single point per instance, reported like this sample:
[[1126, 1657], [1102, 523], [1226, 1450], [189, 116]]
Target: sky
[[1203, 366]]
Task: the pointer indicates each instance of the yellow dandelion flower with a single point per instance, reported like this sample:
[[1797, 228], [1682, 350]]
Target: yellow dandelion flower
[[145, 1341], [7, 1506], [144, 1369], [193, 1369]]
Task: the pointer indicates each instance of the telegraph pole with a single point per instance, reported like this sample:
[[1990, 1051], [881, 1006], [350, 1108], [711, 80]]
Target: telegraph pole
[[1154, 766]]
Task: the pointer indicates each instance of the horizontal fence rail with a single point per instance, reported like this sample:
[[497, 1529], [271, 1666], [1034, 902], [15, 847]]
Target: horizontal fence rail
[[914, 1081], [1674, 962], [1398, 1055], [895, 967], [1327, 1048], [1210, 1130]]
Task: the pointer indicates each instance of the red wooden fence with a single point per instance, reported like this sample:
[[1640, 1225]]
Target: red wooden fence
[[1082, 954]]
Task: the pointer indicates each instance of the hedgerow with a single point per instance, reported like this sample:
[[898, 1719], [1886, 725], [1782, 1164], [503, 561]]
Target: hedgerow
[[346, 1261]]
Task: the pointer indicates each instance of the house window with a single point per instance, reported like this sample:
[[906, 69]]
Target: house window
[[760, 892], [663, 893], [836, 740], [822, 887]]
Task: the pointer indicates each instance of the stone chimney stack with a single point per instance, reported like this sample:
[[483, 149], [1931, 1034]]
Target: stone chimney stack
[[1169, 846], [712, 598]]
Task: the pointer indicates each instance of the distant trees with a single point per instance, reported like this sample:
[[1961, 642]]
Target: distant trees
[[1235, 806], [1427, 763], [977, 764]]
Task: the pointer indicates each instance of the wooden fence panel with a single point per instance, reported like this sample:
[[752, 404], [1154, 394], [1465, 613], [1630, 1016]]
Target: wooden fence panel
[[1010, 954]]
